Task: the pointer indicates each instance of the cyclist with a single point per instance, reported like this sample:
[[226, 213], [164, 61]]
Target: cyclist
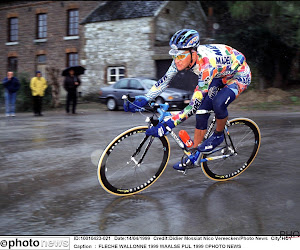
[[222, 75]]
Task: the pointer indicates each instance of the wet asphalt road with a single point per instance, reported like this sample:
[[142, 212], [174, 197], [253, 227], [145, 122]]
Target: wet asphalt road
[[49, 185]]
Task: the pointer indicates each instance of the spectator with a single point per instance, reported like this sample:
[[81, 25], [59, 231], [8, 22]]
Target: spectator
[[11, 85], [38, 85], [71, 84]]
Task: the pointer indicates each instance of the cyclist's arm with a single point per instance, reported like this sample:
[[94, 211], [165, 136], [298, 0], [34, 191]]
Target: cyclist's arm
[[163, 83], [204, 79], [190, 109]]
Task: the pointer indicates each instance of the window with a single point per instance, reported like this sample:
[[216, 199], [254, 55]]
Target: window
[[123, 84], [41, 26], [72, 59], [114, 74], [73, 20], [41, 64], [135, 84], [12, 64], [13, 29], [41, 59], [148, 83]]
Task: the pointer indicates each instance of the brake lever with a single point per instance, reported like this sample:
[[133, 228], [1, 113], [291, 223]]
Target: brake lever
[[128, 98]]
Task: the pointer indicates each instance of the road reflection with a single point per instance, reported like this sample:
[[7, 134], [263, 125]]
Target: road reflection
[[49, 184], [136, 214], [219, 209], [231, 206]]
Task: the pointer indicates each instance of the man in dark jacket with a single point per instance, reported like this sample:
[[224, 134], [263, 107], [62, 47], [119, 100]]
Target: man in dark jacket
[[11, 85], [71, 84]]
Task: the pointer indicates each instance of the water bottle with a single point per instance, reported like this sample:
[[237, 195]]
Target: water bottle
[[186, 139]]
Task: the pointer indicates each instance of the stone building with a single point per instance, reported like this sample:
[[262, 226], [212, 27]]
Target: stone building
[[40, 34], [111, 39], [131, 38]]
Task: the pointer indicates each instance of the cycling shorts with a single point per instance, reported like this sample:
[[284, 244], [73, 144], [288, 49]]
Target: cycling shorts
[[217, 100]]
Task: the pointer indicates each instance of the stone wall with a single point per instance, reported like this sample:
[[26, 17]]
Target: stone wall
[[136, 43], [125, 43], [178, 15]]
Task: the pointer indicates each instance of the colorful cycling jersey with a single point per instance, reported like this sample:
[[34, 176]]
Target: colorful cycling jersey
[[213, 61]]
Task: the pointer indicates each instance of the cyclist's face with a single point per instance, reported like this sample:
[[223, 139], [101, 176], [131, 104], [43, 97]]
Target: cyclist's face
[[183, 61]]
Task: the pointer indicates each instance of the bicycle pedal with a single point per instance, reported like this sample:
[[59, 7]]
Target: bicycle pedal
[[181, 171], [184, 172]]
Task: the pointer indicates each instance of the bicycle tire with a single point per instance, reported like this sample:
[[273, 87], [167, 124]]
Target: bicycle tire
[[119, 175], [246, 138]]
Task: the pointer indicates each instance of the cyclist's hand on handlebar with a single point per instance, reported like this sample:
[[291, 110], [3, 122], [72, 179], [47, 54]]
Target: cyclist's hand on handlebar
[[139, 102], [160, 129]]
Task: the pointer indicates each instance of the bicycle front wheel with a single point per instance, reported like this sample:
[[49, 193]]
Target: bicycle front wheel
[[245, 138], [132, 162]]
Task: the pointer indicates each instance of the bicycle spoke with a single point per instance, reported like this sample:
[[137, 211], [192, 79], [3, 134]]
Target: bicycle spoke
[[130, 164], [246, 139]]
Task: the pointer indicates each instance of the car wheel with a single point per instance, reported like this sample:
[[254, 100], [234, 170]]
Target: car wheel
[[111, 104], [160, 100]]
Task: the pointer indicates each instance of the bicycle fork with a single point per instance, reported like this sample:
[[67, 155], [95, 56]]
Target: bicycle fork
[[138, 150]]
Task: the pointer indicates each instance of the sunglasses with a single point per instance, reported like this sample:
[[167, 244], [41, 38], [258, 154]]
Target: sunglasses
[[181, 56]]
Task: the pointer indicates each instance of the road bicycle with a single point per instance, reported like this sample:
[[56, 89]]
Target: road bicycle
[[132, 161]]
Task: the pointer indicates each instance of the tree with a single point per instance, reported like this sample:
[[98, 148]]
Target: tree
[[267, 32], [273, 28]]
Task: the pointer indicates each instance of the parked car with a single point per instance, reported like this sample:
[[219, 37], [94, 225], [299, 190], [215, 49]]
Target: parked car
[[112, 95]]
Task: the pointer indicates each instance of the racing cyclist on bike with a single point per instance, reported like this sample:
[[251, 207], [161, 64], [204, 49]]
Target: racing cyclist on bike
[[222, 75]]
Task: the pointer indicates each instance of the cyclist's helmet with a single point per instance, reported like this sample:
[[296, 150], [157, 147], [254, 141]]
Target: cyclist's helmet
[[184, 39]]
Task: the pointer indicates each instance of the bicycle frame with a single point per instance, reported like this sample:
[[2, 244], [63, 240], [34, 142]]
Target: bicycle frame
[[195, 158], [123, 170]]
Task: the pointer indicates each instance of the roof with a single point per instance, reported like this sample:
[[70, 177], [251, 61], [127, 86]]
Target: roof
[[115, 10]]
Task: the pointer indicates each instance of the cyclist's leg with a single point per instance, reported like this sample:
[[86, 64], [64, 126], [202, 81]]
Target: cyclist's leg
[[207, 104], [200, 130], [201, 121], [233, 87], [198, 136], [220, 103]]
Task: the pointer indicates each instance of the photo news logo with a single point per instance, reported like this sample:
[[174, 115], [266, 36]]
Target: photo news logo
[[33, 243]]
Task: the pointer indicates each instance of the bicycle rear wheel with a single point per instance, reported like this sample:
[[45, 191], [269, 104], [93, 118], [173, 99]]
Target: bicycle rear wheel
[[245, 136], [119, 169]]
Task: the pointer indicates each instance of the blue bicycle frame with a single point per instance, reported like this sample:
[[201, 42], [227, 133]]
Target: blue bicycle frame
[[196, 158]]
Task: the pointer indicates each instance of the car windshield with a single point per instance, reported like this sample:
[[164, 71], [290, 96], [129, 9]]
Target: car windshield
[[148, 83]]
